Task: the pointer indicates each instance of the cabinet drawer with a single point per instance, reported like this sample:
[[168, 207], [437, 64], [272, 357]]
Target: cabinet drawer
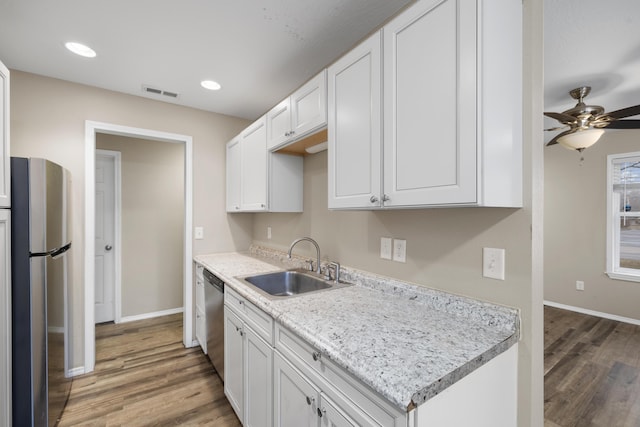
[[340, 386], [259, 321]]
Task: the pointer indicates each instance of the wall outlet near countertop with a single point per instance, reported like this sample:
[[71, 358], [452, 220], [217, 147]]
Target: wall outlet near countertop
[[385, 247], [579, 285], [269, 233], [400, 250]]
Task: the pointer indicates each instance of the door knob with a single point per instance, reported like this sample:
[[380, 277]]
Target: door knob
[[108, 248]]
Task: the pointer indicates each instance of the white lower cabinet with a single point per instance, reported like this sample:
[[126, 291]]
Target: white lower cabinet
[[299, 403], [201, 319], [248, 365]]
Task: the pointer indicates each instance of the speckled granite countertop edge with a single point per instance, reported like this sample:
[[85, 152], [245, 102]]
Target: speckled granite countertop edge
[[261, 259]]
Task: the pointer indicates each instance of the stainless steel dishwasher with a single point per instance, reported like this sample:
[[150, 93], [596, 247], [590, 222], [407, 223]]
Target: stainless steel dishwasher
[[214, 307]]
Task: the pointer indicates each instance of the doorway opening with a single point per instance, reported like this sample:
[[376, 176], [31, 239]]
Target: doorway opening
[[92, 129]]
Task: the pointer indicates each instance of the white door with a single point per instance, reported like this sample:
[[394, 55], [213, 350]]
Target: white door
[[253, 151], [309, 106], [233, 175], [105, 239], [234, 362], [258, 384]]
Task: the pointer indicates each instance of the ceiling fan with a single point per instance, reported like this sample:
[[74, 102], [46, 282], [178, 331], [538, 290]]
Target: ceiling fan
[[586, 123]]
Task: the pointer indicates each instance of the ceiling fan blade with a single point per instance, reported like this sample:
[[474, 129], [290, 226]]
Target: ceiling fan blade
[[625, 112], [624, 124], [562, 118], [556, 128], [554, 141]]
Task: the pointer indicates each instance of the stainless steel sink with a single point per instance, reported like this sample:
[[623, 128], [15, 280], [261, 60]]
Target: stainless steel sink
[[289, 283]]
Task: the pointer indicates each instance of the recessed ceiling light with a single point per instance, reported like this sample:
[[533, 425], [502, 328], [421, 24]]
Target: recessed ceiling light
[[210, 84], [80, 49]]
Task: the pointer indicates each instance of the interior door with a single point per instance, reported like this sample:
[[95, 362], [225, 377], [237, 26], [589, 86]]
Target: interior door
[[105, 238]]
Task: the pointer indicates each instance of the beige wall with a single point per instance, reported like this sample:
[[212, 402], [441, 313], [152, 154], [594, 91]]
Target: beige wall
[[152, 222], [575, 228], [48, 120]]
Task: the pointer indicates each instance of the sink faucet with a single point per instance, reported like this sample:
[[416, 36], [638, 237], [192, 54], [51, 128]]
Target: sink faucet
[[309, 239]]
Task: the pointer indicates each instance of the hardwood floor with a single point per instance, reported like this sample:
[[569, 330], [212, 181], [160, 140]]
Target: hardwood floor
[[145, 376], [592, 371]]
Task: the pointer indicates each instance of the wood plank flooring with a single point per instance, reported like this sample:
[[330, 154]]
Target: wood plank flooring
[[592, 371], [144, 376]]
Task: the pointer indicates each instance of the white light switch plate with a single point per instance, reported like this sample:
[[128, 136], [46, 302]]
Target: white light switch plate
[[199, 233], [400, 250], [385, 247], [493, 263]]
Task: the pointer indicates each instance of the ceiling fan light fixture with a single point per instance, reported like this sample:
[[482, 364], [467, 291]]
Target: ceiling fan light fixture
[[581, 139], [80, 49]]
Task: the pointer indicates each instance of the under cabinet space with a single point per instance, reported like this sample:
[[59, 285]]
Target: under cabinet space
[[299, 115]]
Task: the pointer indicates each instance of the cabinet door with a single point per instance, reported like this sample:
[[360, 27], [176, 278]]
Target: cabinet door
[[5, 318], [279, 124], [233, 175], [332, 416], [309, 106], [201, 329], [234, 362], [295, 398], [254, 167], [5, 175], [430, 104], [258, 381], [354, 125]]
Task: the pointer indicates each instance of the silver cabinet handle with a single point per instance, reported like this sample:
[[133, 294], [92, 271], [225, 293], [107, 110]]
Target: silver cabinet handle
[[373, 199], [385, 198], [310, 400], [108, 248], [321, 412], [316, 355]]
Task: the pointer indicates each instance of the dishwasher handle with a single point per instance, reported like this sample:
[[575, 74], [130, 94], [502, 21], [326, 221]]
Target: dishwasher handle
[[213, 280]]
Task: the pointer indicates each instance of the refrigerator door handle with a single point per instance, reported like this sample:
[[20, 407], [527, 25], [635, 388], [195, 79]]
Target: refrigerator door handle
[[53, 253]]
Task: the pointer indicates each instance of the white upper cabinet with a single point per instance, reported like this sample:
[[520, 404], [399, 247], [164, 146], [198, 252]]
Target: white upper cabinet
[[5, 174], [299, 115], [430, 110], [354, 125], [258, 180], [233, 175], [452, 111], [253, 183]]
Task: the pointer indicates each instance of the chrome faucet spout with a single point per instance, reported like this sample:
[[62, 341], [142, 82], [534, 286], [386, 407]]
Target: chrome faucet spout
[[308, 239]]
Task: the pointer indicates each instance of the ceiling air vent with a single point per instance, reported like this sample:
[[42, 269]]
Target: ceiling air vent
[[155, 91]]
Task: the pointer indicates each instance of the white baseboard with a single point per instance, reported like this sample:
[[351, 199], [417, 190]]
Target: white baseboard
[[75, 372], [151, 315], [593, 313], [194, 343]]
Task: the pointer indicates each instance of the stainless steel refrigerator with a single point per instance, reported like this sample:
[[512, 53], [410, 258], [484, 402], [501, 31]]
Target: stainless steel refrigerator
[[40, 240]]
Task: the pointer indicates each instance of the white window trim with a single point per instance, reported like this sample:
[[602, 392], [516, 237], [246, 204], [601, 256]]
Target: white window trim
[[613, 220]]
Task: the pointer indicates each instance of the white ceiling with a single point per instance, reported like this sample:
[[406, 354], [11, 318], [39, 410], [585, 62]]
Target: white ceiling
[[259, 50], [591, 43]]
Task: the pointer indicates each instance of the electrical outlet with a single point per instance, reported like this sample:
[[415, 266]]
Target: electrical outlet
[[385, 247], [199, 233], [399, 250], [269, 233], [493, 263], [579, 285]]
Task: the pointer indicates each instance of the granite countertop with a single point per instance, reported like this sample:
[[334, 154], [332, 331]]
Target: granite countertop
[[406, 342]]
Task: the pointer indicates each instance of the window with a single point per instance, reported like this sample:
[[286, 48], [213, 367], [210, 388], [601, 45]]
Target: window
[[623, 216]]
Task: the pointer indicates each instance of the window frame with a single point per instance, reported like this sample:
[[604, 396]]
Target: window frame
[[613, 269]]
